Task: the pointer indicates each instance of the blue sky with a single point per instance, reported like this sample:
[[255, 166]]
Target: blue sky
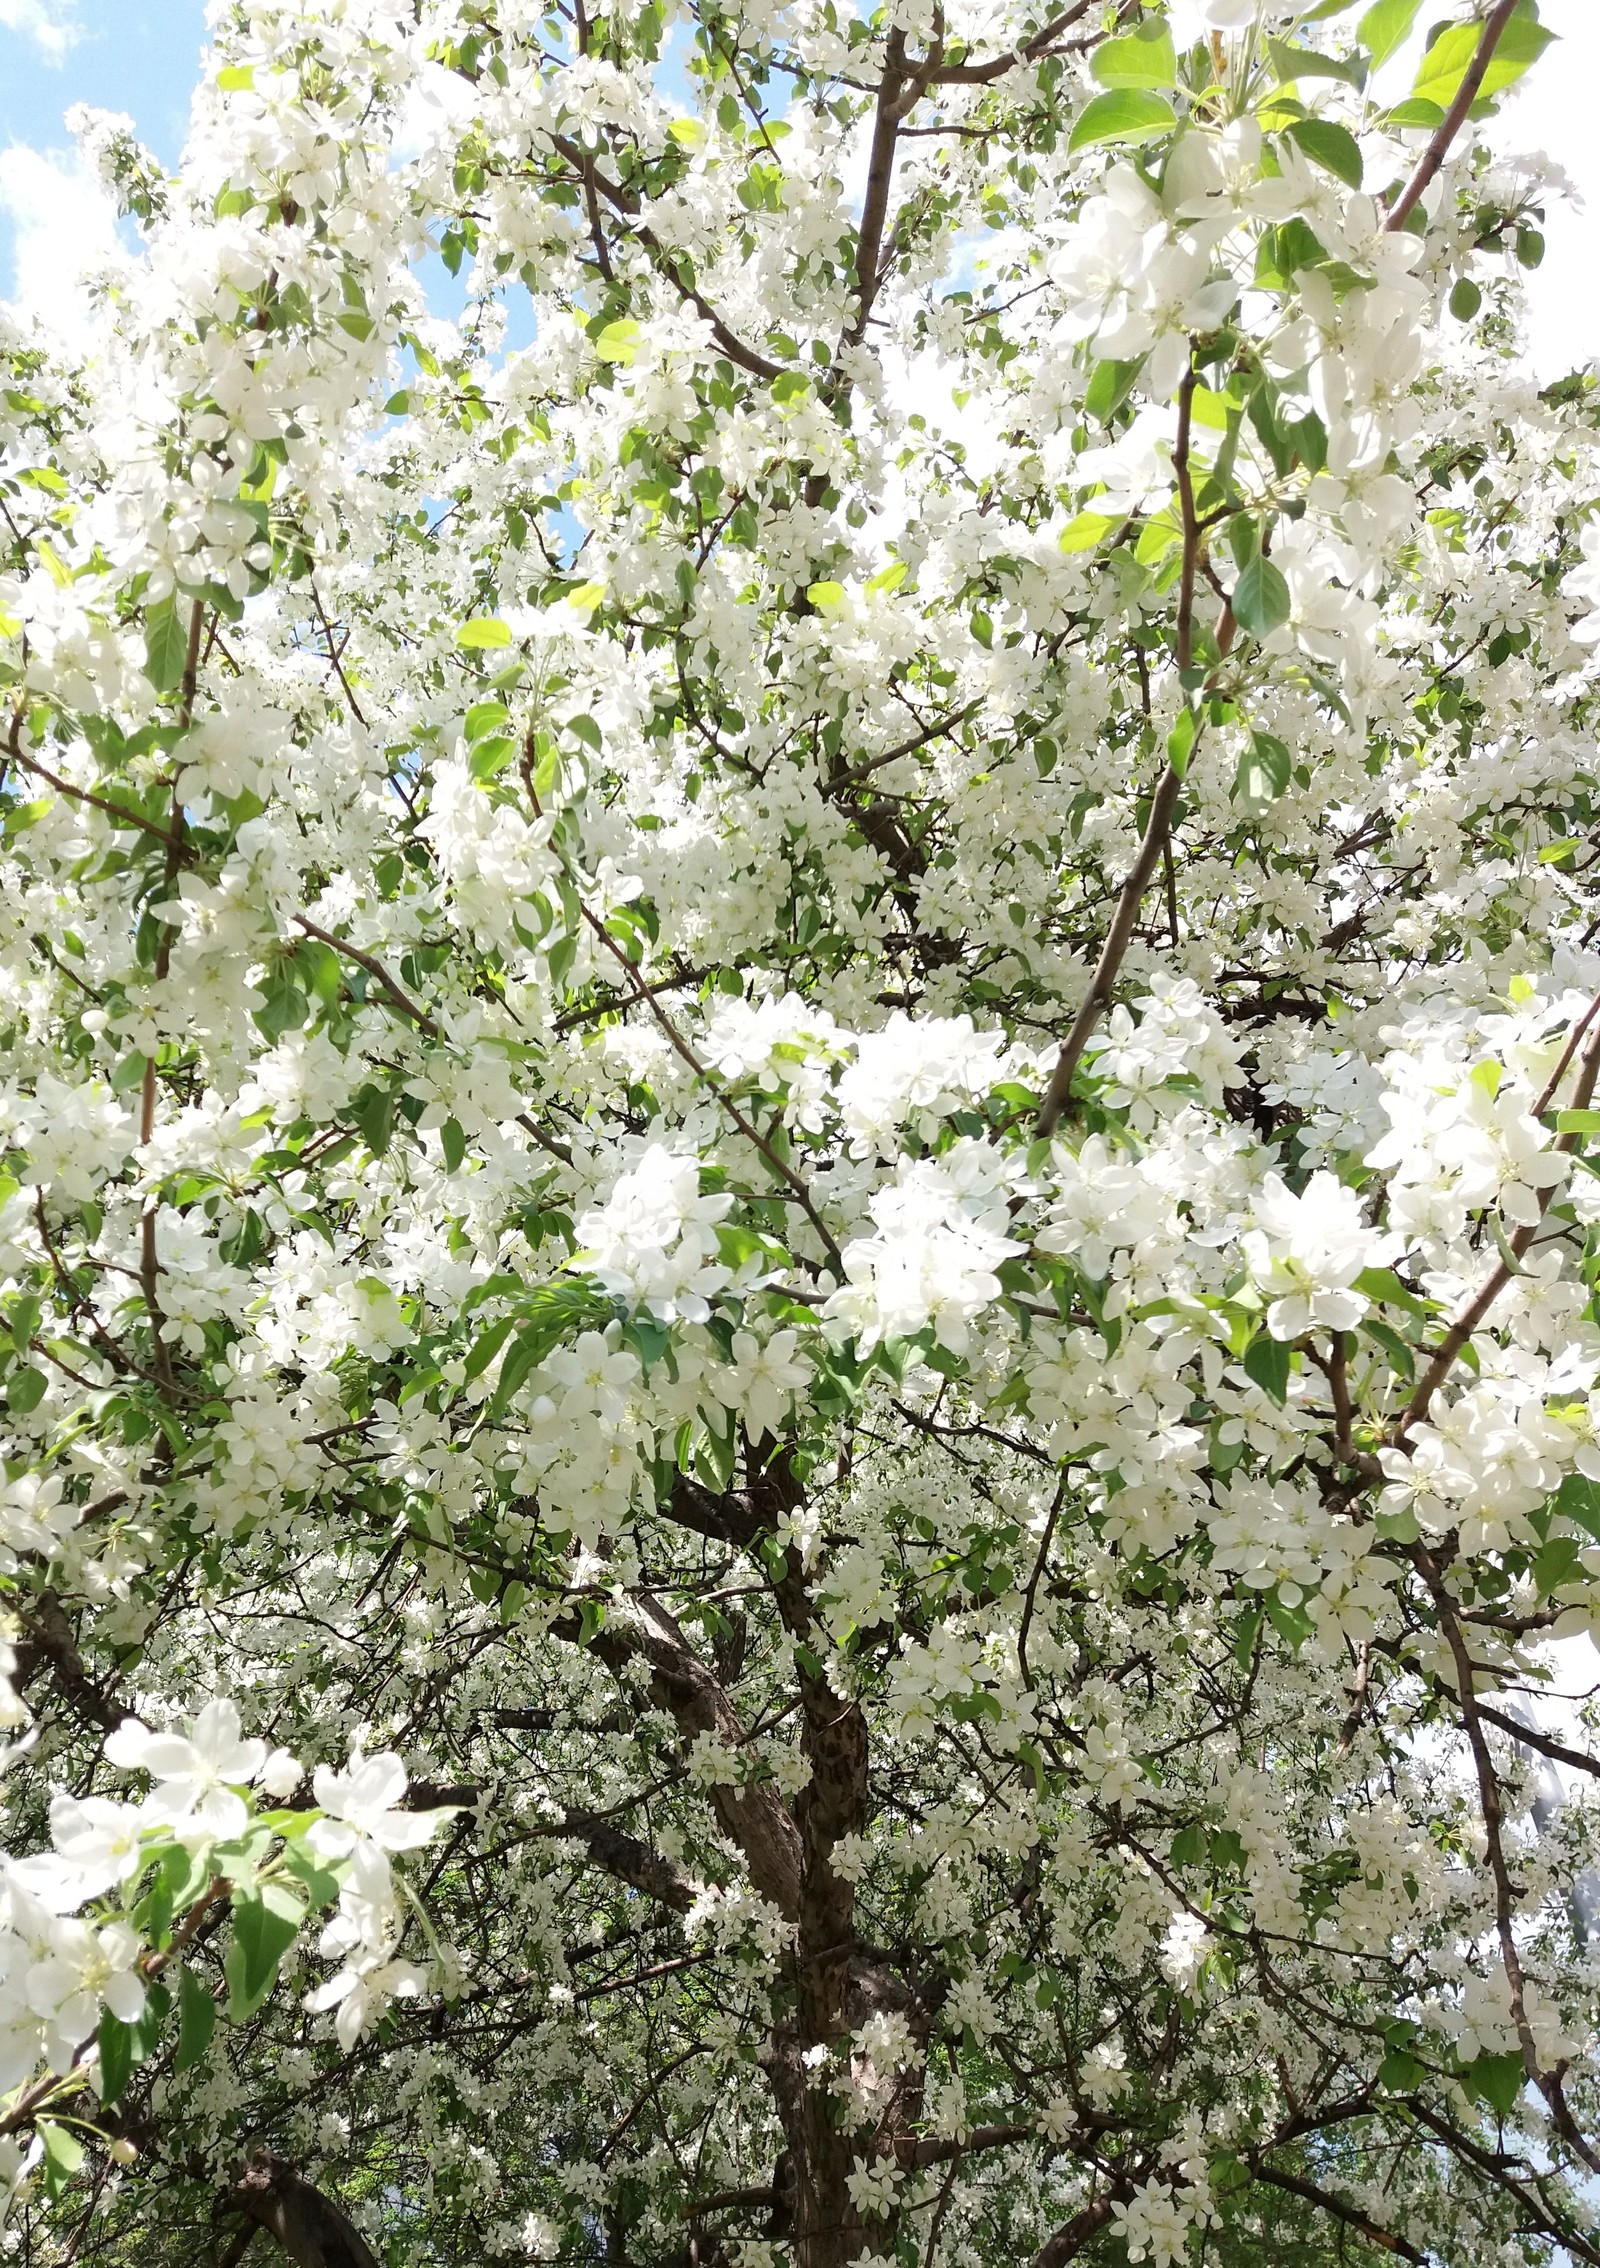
[[135, 55]]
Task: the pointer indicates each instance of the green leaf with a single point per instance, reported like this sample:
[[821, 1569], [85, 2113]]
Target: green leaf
[[63, 2155], [648, 1339], [484, 630], [1109, 388], [116, 2044], [1465, 300], [1385, 1287], [1261, 599], [827, 598], [1578, 1121], [1129, 115], [1425, 114], [373, 1111], [25, 1391], [1264, 771], [166, 645], [1189, 1845], [521, 1360], [1331, 146], [1387, 26], [22, 816], [489, 758], [1293, 63], [321, 969], [1144, 58], [1292, 1623], [266, 1922], [1448, 60], [486, 1346], [1246, 1632], [1393, 1345], [320, 1883], [789, 386], [453, 1141], [1266, 1361], [235, 78], [1497, 2080], [1578, 1500], [197, 2020], [1399, 2072], [485, 719], [1180, 742], [285, 1009], [1557, 1562]]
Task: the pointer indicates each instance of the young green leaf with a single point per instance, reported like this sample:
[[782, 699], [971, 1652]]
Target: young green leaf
[[1085, 531], [484, 631], [1267, 1362], [1497, 2080], [1387, 26], [617, 342], [1128, 115], [1144, 58], [1449, 59], [1109, 388]]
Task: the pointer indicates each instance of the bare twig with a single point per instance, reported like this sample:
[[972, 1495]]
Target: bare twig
[[1466, 95], [1494, 1284]]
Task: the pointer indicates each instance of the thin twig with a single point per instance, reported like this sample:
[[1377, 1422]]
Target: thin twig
[[682, 1048], [1489, 1291], [1466, 95]]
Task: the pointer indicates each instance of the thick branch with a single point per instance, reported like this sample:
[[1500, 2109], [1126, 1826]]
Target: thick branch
[[1097, 1000], [1326, 2202], [623, 201], [984, 74], [1118, 938], [48, 1639], [1069, 2240], [632, 1862], [311, 2228], [689, 1691], [374, 968], [880, 173]]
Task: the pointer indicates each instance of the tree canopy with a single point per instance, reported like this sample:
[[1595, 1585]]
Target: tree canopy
[[799, 1015]]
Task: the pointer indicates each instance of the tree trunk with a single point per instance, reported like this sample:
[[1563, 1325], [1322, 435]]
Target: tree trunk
[[311, 2228]]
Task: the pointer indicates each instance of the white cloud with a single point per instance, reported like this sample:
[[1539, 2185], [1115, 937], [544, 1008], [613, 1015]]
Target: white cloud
[[63, 224], [52, 25]]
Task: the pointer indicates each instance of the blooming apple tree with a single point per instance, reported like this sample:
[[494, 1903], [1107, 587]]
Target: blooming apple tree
[[799, 1018]]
